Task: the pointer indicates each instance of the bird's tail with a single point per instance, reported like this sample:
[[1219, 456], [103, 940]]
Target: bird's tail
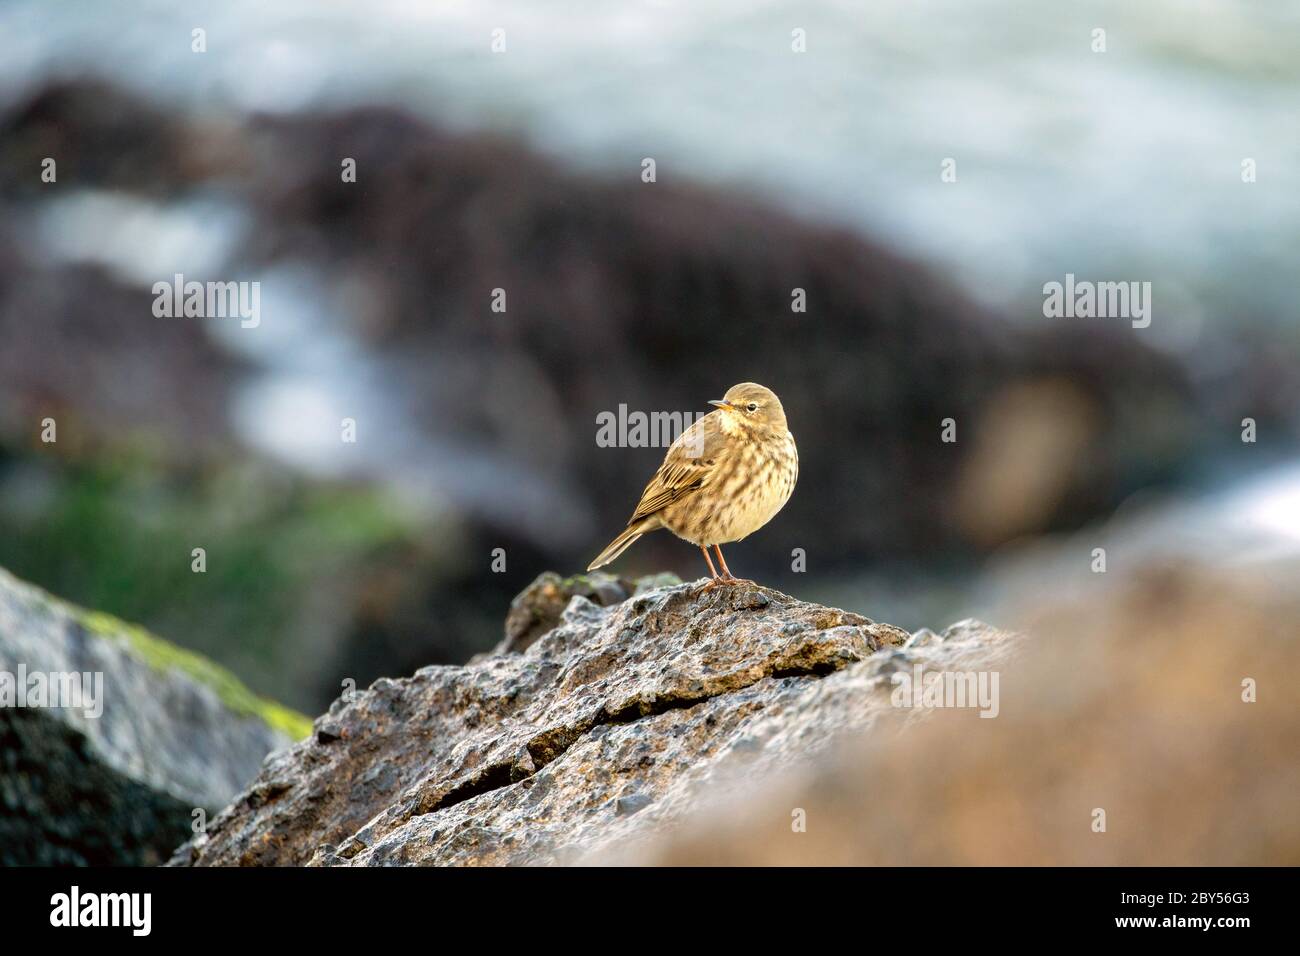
[[622, 542]]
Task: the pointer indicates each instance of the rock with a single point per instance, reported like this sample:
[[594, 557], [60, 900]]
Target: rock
[[173, 734], [612, 723], [1164, 709], [539, 607], [626, 806]]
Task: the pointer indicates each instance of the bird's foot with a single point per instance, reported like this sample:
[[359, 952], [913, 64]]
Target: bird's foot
[[726, 577], [727, 580]]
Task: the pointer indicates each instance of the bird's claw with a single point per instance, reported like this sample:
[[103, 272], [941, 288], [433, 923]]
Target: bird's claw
[[726, 579]]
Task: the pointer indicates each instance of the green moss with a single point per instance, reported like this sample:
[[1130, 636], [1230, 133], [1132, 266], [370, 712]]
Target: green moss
[[166, 657]]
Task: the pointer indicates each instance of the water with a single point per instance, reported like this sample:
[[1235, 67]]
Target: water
[[1116, 165]]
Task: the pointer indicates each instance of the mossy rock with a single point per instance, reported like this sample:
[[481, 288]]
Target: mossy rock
[[164, 656]]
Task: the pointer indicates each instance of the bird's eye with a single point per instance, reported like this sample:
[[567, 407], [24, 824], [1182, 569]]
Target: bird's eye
[[752, 407]]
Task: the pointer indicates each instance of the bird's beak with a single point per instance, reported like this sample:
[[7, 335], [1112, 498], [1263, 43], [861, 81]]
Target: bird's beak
[[719, 402]]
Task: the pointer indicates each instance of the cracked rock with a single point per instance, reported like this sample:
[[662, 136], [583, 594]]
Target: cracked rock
[[635, 708]]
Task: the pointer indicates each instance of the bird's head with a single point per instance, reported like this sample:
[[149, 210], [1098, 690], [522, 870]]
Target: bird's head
[[752, 405]]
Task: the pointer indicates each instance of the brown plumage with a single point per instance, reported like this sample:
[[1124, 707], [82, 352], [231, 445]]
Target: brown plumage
[[721, 480]]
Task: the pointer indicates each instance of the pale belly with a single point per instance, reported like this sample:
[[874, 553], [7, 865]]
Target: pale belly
[[735, 510]]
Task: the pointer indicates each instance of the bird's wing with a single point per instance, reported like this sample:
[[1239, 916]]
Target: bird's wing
[[689, 464]]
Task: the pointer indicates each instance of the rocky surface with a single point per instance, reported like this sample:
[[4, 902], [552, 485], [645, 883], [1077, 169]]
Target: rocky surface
[[1152, 722], [539, 608], [117, 781], [616, 722]]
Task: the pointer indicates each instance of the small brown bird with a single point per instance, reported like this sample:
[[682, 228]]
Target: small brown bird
[[723, 478]]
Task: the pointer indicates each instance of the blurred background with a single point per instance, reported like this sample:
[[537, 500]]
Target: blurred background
[[521, 170]]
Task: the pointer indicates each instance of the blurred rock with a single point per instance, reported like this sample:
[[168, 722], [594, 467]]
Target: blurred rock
[[98, 134], [660, 296], [84, 349], [1026, 449], [623, 292], [1169, 706], [173, 734], [616, 722]]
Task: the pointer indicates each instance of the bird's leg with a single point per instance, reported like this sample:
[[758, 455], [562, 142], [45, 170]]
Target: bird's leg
[[714, 579], [726, 571], [713, 571]]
